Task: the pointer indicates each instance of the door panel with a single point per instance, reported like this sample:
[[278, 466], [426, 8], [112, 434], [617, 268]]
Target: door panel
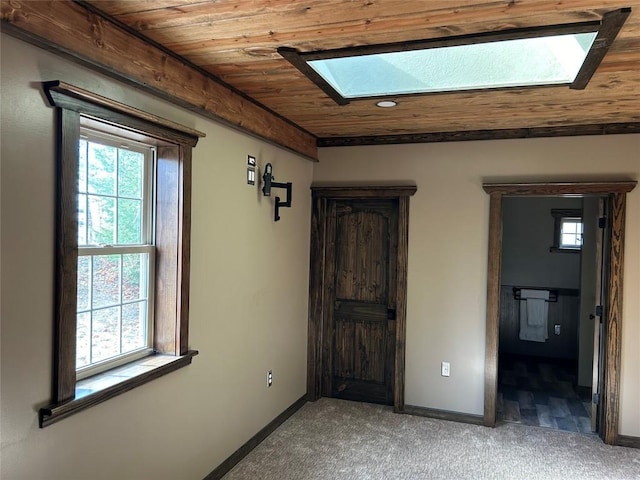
[[360, 338], [362, 255], [598, 336], [361, 327]]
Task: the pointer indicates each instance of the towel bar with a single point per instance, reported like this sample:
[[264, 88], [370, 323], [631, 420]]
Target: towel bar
[[553, 293]]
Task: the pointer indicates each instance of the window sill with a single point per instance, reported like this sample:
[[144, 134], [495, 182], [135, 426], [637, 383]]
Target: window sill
[[564, 250], [99, 388]]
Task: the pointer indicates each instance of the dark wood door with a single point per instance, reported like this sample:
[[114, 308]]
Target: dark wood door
[[362, 275]]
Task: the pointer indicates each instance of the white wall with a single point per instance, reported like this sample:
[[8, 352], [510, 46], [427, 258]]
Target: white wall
[[527, 234], [448, 241], [249, 290]]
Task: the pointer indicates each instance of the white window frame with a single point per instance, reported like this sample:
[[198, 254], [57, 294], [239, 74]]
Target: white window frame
[[147, 246], [571, 220], [560, 217]]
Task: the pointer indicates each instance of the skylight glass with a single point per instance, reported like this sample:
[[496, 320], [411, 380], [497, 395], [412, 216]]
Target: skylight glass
[[534, 61]]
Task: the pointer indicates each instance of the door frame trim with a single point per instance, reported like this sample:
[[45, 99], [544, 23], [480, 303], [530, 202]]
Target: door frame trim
[[616, 191], [317, 302]]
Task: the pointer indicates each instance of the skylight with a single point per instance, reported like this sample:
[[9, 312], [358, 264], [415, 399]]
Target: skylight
[[521, 58], [550, 60]]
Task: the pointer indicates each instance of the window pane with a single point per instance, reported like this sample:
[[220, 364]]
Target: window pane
[[106, 280], [82, 219], [83, 339], [105, 334], [130, 173], [568, 239], [129, 221], [84, 283], [102, 168], [82, 166], [568, 227], [101, 224], [134, 326], [134, 273]]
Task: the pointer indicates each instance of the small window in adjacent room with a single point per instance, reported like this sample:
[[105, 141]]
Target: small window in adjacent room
[[568, 230]]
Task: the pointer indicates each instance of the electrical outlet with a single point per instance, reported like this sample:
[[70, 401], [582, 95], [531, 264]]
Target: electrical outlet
[[269, 378], [446, 369], [557, 329]]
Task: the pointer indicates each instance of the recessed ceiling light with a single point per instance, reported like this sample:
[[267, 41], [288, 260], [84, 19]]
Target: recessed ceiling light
[[386, 103]]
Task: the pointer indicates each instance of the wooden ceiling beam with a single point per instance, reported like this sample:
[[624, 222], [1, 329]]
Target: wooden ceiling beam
[[72, 30]]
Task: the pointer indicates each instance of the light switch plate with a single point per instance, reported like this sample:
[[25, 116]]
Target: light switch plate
[[251, 170]]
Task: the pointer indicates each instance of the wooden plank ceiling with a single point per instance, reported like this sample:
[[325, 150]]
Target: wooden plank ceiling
[[181, 49], [236, 41]]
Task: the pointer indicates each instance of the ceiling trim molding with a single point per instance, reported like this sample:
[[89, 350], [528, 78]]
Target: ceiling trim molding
[[474, 135], [69, 29]]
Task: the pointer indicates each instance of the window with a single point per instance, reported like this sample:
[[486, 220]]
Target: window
[[116, 252], [122, 249], [512, 63], [571, 233], [568, 228], [546, 55]]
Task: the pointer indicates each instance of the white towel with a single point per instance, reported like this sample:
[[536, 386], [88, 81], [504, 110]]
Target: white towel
[[525, 294], [536, 312], [533, 315], [536, 306]]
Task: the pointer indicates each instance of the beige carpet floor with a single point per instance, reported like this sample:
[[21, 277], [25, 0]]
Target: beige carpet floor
[[336, 439]]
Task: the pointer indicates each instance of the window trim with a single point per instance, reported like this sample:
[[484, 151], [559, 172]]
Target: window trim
[[559, 214], [173, 232]]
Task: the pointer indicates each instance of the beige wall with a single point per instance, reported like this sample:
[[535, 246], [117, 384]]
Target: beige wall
[[448, 239], [249, 288]]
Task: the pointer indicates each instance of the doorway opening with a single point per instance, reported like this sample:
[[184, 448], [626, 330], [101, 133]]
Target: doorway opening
[[609, 356], [551, 268]]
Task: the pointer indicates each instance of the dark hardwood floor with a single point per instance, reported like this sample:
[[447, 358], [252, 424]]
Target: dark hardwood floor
[[542, 392]]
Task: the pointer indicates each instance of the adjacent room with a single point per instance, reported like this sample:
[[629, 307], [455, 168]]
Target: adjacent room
[[549, 260], [319, 239]]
